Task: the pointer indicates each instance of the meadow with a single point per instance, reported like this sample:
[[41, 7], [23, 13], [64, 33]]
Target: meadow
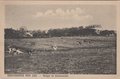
[[74, 55]]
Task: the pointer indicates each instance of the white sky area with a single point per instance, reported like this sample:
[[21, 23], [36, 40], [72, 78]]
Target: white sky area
[[44, 17]]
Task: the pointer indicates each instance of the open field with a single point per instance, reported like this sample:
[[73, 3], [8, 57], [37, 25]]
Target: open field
[[74, 55]]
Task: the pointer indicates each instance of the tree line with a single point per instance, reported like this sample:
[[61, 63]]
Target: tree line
[[91, 30]]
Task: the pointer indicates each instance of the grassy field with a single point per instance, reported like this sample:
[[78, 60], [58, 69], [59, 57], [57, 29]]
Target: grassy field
[[74, 55]]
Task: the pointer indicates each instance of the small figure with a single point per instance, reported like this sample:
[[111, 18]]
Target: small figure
[[54, 47]]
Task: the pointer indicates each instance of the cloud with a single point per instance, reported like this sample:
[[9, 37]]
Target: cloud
[[61, 18], [76, 13]]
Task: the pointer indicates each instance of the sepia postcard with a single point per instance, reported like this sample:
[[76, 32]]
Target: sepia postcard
[[59, 39]]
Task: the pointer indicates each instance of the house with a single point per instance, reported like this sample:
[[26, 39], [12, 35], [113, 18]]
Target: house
[[28, 34]]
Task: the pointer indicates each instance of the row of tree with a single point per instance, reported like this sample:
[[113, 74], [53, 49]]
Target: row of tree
[[91, 30]]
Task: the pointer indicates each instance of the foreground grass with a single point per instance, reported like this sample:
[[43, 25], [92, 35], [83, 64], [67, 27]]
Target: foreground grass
[[96, 57]]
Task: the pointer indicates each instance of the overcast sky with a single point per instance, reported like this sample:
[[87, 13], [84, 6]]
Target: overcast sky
[[44, 17]]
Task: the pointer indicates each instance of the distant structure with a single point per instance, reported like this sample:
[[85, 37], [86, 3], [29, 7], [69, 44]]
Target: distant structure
[[28, 34], [97, 31]]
